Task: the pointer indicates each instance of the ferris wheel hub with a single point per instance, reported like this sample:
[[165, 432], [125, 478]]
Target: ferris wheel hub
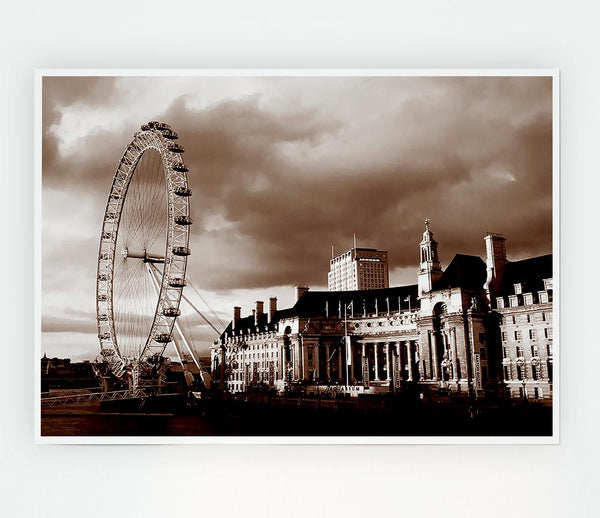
[[144, 256]]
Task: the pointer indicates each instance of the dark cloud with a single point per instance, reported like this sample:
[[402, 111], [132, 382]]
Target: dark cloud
[[449, 154], [276, 184], [60, 92]]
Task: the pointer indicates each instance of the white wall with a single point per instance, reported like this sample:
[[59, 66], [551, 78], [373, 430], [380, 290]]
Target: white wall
[[491, 481]]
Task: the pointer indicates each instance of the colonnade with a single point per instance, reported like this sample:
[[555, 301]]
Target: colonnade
[[390, 362], [366, 361]]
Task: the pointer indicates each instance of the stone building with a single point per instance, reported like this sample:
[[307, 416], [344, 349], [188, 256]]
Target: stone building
[[474, 328], [523, 301]]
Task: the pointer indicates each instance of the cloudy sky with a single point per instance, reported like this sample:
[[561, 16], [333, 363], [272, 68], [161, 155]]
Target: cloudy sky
[[282, 168]]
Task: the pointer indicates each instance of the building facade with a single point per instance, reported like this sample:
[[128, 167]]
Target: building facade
[[359, 269], [477, 327]]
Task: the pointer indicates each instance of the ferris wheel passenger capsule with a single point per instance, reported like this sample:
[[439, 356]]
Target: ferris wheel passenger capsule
[[180, 168], [177, 282], [163, 338], [161, 126], [176, 148], [171, 312], [183, 220], [170, 134], [181, 250], [182, 191]]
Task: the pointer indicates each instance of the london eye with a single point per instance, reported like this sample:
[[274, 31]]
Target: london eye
[[144, 247]]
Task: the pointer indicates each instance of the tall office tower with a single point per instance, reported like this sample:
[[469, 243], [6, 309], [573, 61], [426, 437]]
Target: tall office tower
[[359, 269]]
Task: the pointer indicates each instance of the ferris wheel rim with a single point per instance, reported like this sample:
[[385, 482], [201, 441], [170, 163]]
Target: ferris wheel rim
[[159, 137]]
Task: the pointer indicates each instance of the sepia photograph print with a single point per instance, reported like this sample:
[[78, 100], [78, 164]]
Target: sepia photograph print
[[297, 256]]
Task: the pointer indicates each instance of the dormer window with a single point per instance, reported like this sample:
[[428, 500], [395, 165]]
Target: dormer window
[[500, 302], [547, 284], [518, 288], [528, 298], [514, 301], [543, 295]]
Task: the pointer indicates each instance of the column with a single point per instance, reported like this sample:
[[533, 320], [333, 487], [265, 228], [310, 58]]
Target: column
[[362, 361], [349, 367], [316, 349], [455, 353], [409, 360], [327, 365], [298, 360], [397, 365], [340, 364], [376, 360], [388, 358], [431, 338]]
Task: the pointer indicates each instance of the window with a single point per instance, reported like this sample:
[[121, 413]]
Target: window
[[520, 372], [505, 352], [543, 297], [528, 297], [504, 336], [500, 302], [528, 318], [512, 319], [549, 349], [482, 337], [537, 393], [519, 351], [506, 372], [517, 335], [535, 372], [533, 334], [534, 350], [482, 352], [484, 372], [548, 332], [518, 288], [514, 301], [550, 370]]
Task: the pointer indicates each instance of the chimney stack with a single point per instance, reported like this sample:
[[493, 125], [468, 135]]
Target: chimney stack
[[260, 309], [496, 261], [272, 308], [237, 313], [301, 290]]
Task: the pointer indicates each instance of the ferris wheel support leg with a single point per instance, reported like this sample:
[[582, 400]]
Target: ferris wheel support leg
[[187, 346], [153, 274]]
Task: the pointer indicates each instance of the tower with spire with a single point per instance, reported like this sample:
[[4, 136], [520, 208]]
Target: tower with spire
[[429, 270]]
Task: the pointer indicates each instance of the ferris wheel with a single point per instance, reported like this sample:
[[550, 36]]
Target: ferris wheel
[[144, 246]]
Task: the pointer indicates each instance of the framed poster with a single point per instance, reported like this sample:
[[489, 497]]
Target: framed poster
[[310, 256]]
